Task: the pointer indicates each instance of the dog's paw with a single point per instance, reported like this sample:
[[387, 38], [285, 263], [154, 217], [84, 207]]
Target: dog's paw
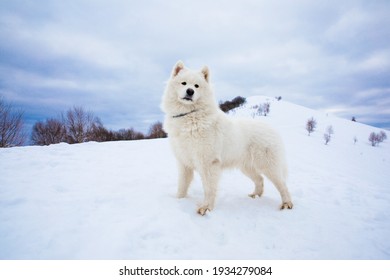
[[286, 205], [257, 192], [253, 195], [202, 210], [181, 195]]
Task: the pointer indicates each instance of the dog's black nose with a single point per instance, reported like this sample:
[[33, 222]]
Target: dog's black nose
[[190, 92]]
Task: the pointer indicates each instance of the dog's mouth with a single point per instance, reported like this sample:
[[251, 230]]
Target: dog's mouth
[[187, 98]]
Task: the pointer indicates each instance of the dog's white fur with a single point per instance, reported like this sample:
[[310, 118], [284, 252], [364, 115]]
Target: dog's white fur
[[204, 139]]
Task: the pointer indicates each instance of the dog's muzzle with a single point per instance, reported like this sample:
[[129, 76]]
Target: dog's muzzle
[[189, 94]]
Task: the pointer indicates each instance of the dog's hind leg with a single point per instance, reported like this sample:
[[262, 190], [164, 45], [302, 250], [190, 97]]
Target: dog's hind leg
[[280, 184], [186, 175], [257, 179]]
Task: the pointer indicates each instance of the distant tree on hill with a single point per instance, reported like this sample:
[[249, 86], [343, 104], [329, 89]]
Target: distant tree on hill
[[373, 138], [266, 108], [101, 134], [311, 125], [52, 131], [156, 131], [262, 109], [326, 138], [80, 125], [376, 138], [11, 125], [328, 134], [382, 136]]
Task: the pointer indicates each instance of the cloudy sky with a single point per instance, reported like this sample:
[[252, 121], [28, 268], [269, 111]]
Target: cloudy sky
[[113, 57]]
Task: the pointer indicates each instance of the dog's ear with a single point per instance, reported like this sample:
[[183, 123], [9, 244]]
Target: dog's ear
[[206, 73], [177, 68]]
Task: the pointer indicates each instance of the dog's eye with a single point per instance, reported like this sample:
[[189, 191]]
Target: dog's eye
[[196, 85], [183, 83]]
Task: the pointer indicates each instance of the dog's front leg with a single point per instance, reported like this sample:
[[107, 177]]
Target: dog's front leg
[[186, 175], [210, 174]]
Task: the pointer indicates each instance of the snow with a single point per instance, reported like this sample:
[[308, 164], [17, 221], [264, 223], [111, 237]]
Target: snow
[[116, 200]]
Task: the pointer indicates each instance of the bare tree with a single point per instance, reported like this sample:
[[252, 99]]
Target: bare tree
[[11, 125], [101, 134], [52, 131], [80, 125], [373, 138], [376, 138], [326, 138], [311, 125], [328, 134], [266, 108], [262, 109], [156, 131], [382, 136]]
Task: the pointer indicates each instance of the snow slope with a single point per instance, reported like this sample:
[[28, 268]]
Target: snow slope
[[116, 200]]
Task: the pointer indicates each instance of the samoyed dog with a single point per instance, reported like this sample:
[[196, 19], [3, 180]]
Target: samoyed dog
[[206, 140]]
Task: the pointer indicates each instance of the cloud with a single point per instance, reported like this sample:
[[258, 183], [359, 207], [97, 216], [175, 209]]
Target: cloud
[[349, 25], [378, 61], [114, 56]]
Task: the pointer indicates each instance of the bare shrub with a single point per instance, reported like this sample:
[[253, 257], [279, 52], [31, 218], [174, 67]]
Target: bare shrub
[[101, 134], [262, 109], [311, 125], [52, 131], [382, 136], [328, 134], [373, 138], [266, 108], [156, 131], [376, 138], [80, 125], [327, 138], [11, 125]]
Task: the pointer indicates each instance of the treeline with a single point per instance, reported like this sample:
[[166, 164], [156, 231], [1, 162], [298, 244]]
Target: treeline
[[78, 126], [74, 126]]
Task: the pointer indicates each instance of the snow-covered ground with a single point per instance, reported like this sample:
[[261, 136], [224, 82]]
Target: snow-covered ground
[[116, 200]]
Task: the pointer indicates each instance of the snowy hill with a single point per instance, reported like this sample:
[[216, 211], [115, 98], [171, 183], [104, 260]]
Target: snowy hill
[[116, 200]]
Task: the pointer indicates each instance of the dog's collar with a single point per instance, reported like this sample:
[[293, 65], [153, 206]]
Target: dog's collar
[[184, 114]]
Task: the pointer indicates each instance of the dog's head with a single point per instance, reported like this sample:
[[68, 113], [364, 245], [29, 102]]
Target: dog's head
[[189, 85], [188, 88]]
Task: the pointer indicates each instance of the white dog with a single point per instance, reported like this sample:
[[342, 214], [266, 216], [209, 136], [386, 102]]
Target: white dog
[[204, 139]]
